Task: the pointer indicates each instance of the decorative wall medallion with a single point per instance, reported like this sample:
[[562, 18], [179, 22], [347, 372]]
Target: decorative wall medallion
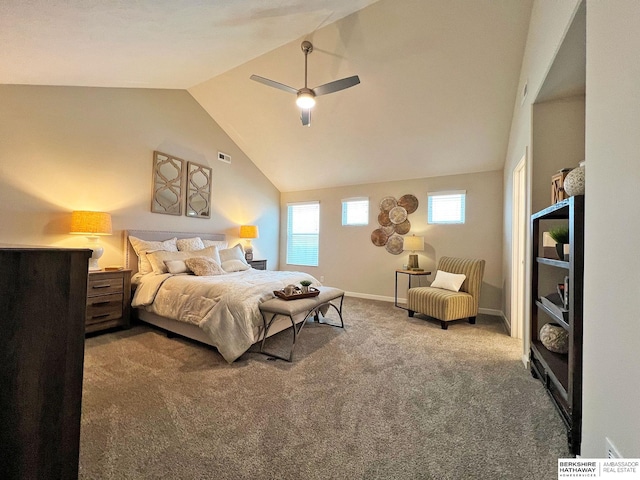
[[388, 229], [403, 228], [394, 244], [383, 218], [409, 203], [387, 203], [379, 238], [397, 215], [393, 222]]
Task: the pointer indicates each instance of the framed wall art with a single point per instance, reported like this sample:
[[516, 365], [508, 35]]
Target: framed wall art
[[198, 191], [168, 174]]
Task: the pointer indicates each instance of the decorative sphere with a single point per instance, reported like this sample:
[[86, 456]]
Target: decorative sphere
[[574, 181], [555, 338]]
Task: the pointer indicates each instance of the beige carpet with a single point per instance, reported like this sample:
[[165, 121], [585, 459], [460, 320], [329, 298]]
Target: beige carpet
[[389, 397]]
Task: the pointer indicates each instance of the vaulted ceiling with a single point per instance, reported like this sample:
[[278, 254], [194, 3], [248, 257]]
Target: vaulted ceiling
[[439, 78]]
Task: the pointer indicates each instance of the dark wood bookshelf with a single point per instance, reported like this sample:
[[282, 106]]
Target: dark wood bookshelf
[[561, 374]]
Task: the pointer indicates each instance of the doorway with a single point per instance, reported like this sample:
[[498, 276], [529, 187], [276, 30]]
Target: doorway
[[518, 249]]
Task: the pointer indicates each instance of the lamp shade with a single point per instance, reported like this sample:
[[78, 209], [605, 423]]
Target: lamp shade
[[413, 243], [248, 231], [90, 223]]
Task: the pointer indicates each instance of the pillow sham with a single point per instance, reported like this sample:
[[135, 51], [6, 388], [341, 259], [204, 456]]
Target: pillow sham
[[189, 244], [234, 253], [221, 244], [235, 265], [142, 247], [176, 266], [204, 266], [158, 259], [448, 281]]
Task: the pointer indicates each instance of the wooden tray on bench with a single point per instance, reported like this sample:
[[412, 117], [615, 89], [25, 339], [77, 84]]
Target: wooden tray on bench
[[313, 292]]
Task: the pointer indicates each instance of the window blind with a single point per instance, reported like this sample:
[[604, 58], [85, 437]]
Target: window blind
[[303, 233], [446, 207], [355, 211]]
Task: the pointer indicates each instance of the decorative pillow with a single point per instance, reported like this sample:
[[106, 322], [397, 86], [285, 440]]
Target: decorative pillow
[[204, 266], [234, 253], [190, 244], [142, 247], [448, 281], [235, 265], [158, 259], [221, 244], [176, 266]]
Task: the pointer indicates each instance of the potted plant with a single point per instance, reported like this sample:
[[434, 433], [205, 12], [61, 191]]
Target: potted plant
[[561, 236], [305, 286]]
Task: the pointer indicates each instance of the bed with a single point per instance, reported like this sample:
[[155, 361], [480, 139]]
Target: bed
[[221, 310]]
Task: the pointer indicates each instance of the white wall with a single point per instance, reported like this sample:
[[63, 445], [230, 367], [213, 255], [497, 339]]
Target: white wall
[[612, 229], [69, 148], [349, 260], [611, 387], [558, 142], [549, 23]]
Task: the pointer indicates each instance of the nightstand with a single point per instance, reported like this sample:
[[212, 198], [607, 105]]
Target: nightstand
[[411, 274], [258, 264], [108, 300]]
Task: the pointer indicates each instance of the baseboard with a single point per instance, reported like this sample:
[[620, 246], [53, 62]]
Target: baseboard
[[373, 297], [382, 298], [498, 313], [491, 311]]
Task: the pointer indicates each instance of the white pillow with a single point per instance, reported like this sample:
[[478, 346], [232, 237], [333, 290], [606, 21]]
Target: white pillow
[[234, 253], [448, 281], [176, 266], [189, 244], [235, 265], [204, 266], [142, 247], [158, 259], [221, 244]]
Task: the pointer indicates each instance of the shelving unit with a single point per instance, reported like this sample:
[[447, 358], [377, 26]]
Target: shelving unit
[[561, 374]]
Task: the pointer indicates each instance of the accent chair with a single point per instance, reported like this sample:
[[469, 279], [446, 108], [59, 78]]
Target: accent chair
[[448, 305]]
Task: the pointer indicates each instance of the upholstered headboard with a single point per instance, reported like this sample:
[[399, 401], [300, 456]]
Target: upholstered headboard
[[130, 257]]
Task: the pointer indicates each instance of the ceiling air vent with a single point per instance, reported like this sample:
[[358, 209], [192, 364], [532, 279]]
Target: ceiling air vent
[[223, 157]]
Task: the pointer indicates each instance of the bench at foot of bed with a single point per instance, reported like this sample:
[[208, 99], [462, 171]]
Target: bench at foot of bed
[[328, 297]]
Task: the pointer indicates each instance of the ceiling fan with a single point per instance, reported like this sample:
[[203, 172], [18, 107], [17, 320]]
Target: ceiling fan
[[307, 96]]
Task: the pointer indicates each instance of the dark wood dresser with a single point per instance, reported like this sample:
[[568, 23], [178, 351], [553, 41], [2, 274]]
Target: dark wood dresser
[[43, 295]]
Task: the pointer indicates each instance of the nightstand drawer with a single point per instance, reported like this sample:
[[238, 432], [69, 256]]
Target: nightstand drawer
[[105, 284], [108, 300], [258, 264], [103, 308]]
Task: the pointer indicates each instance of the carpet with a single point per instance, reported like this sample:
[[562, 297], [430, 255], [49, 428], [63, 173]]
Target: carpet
[[388, 397]]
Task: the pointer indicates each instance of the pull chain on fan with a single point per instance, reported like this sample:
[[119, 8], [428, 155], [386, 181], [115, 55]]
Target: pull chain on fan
[[306, 97]]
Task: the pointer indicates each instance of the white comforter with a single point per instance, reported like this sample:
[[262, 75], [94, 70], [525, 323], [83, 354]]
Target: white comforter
[[224, 306]]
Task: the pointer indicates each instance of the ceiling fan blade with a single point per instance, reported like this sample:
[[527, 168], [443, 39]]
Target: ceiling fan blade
[[274, 84], [336, 85], [305, 116]]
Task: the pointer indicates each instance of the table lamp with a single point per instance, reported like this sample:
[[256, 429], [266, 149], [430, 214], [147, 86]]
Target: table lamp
[[91, 225], [414, 244], [248, 232]]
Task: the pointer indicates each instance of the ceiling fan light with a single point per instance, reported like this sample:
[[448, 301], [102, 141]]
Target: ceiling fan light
[[306, 99]]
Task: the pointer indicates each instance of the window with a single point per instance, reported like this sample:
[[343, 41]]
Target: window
[[355, 211], [303, 228], [446, 207]]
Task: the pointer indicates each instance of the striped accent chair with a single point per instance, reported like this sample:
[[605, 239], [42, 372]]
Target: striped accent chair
[[446, 305]]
